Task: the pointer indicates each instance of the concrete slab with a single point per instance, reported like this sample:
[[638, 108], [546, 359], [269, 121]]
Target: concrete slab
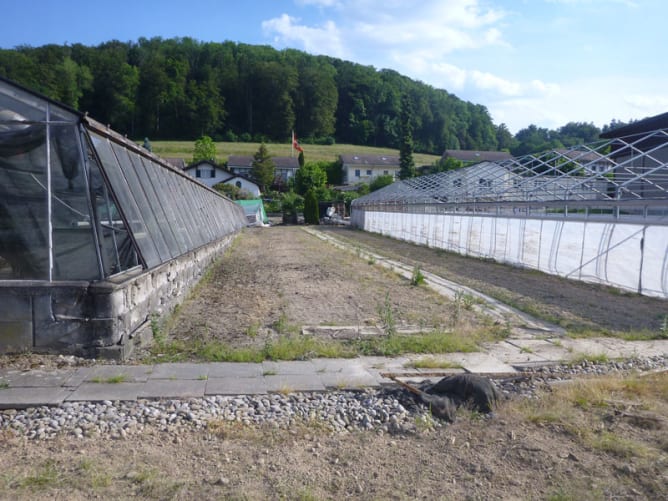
[[510, 354], [637, 348], [480, 363], [385, 364], [294, 368], [233, 369], [97, 392], [130, 373], [294, 383], [79, 375], [165, 388], [187, 371], [528, 351], [590, 346], [349, 381], [21, 398], [236, 386], [338, 365], [37, 378]]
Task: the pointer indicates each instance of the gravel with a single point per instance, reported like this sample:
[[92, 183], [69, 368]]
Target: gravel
[[389, 410]]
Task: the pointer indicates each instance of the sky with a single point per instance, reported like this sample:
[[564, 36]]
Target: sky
[[541, 62]]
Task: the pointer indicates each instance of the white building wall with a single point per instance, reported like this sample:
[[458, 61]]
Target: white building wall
[[632, 257]]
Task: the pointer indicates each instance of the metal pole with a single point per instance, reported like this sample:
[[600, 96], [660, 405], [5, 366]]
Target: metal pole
[[49, 191]]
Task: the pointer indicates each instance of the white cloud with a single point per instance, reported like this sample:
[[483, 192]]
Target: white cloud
[[648, 103], [487, 81], [325, 39]]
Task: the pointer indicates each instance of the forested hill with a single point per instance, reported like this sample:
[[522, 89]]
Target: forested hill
[[182, 89]]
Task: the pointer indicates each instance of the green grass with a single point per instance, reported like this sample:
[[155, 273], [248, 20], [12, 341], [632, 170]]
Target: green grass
[[600, 358], [312, 152], [299, 347]]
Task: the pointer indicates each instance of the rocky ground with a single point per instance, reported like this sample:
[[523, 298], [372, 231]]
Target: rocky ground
[[579, 431]]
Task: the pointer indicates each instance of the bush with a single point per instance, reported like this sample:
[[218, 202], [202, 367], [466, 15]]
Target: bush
[[311, 212]]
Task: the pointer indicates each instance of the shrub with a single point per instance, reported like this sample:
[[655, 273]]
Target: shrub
[[311, 212]]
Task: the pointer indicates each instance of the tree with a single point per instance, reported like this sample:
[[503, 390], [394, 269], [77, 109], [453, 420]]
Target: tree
[[406, 163], [310, 176], [205, 149], [263, 168], [380, 182], [311, 212]]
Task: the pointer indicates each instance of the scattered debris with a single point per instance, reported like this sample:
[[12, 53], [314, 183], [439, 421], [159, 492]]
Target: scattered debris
[[443, 398]]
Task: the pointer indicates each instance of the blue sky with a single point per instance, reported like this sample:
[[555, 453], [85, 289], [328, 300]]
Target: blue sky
[[542, 62]]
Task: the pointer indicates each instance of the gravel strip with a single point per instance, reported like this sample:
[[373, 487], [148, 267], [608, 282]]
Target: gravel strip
[[389, 410]]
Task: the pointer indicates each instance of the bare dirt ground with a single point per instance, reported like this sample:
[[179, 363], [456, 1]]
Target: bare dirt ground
[[574, 305], [611, 444]]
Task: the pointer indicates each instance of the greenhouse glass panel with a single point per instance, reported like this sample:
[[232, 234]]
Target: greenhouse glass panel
[[128, 205], [178, 205], [24, 214], [164, 178], [118, 250], [139, 185], [74, 250], [159, 199]]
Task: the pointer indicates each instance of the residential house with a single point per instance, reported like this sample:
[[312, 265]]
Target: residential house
[[592, 162], [177, 163], [210, 173], [285, 167], [364, 168], [470, 157]]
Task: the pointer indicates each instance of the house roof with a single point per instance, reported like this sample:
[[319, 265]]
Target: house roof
[[582, 156], [178, 163], [477, 156], [648, 124], [230, 175], [385, 160], [246, 161], [207, 162]]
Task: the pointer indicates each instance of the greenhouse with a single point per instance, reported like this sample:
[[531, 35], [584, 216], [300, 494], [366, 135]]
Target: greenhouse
[[596, 212], [96, 233]]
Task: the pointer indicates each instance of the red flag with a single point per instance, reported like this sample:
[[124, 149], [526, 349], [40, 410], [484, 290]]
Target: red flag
[[295, 144]]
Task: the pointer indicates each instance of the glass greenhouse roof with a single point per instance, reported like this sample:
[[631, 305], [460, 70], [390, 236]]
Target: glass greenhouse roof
[[80, 202]]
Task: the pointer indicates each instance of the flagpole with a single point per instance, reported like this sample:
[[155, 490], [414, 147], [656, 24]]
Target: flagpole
[[292, 145]]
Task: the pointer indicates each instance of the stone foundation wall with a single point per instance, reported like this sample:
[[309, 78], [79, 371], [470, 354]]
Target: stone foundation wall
[[97, 319]]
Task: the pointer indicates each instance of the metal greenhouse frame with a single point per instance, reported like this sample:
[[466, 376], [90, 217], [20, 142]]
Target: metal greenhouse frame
[[615, 178], [96, 233], [596, 212]]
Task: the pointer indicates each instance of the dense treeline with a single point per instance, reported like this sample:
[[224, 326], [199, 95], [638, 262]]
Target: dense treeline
[[184, 89]]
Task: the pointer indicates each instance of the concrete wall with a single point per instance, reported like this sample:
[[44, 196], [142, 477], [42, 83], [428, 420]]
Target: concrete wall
[[632, 257], [99, 319]]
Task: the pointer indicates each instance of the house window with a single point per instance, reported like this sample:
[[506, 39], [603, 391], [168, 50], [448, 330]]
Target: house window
[[238, 184], [368, 172], [205, 173], [386, 172], [357, 173]]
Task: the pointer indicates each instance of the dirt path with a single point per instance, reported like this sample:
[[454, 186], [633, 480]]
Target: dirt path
[[606, 443], [275, 281]]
